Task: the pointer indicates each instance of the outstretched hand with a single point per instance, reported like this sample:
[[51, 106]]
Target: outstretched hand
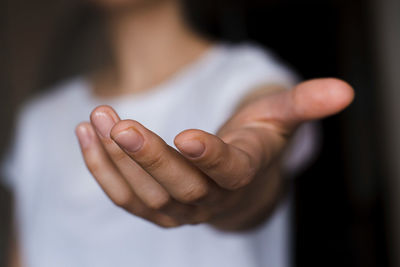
[[230, 180]]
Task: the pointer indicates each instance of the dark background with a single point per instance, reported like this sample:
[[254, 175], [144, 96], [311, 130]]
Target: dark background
[[340, 204], [339, 219]]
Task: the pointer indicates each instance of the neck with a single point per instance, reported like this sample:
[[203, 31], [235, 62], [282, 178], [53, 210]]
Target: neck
[[149, 45]]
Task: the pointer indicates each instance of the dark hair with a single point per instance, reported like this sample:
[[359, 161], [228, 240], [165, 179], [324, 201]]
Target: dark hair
[[221, 19]]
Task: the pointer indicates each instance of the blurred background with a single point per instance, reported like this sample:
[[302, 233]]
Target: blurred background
[[347, 203]]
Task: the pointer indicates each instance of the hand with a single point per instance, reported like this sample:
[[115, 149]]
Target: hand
[[230, 180]]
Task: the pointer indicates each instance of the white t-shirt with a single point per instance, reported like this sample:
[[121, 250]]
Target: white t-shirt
[[65, 219]]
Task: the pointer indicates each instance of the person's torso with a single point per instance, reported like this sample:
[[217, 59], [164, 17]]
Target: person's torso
[[67, 220]]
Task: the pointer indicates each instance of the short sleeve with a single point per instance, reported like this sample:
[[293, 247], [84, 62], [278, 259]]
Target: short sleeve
[[18, 156], [249, 67], [302, 149], [11, 159], [8, 167]]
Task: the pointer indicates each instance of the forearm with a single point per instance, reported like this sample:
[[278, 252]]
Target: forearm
[[14, 256], [14, 259]]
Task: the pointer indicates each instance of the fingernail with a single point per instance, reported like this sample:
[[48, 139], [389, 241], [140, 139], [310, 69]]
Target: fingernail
[[192, 148], [130, 139], [84, 136], [103, 123]]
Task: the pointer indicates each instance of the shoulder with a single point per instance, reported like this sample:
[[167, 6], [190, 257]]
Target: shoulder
[[55, 97], [248, 53], [52, 100], [44, 114], [254, 65], [245, 68], [252, 57], [32, 122], [239, 70], [49, 111]]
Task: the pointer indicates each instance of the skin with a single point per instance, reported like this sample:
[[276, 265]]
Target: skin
[[220, 179], [231, 180], [14, 259]]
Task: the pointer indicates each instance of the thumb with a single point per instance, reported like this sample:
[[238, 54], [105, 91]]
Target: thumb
[[319, 98], [310, 100], [282, 112]]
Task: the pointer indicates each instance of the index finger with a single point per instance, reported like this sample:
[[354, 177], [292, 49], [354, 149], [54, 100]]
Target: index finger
[[232, 162], [181, 179]]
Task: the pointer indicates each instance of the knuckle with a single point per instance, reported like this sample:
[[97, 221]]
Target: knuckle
[[93, 166], [154, 162], [201, 218], [242, 181], [167, 224], [118, 156], [159, 202], [194, 194], [123, 200], [214, 162], [243, 178]]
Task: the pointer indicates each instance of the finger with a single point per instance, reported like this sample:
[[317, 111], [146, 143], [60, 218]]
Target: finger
[[151, 193], [261, 128], [310, 100], [105, 173], [145, 187], [112, 183], [182, 180], [229, 166]]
